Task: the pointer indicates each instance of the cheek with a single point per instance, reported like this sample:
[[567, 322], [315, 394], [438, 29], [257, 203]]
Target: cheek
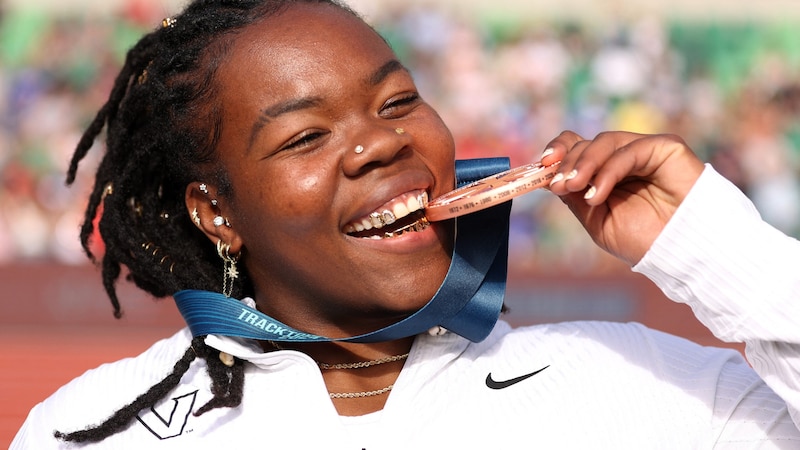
[[297, 199], [309, 184], [442, 158], [435, 130]]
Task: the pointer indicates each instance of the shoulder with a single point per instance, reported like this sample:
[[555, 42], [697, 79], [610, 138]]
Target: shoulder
[[95, 395], [135, 372], [602, 354], [591, 340]]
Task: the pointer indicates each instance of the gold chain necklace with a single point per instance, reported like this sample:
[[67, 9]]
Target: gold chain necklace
[[361, 394], [362, 364], [357, 365]]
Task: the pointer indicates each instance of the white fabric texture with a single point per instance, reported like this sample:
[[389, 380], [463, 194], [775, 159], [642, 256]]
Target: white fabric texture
[[740, 276], [604, 385]]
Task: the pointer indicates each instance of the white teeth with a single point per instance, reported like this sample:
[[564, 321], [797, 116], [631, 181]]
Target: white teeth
[[418, 202], [413, 203], [399, 208], [366, 224]]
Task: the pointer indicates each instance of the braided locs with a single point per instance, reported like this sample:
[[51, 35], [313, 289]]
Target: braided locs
[[162, 127], [227, 392]]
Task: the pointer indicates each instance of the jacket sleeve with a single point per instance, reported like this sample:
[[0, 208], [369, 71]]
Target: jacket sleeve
[[740, 276]]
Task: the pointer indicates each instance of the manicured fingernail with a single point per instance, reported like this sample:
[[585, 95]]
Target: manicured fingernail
[[547, 153], [558, 177], [590, 193], [573, 173]]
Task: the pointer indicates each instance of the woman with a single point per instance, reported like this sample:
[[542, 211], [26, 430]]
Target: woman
[[277, 151]]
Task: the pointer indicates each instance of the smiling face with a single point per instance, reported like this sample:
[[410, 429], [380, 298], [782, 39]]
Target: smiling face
[[299, 92]]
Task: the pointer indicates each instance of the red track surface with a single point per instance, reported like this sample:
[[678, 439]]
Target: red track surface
[[38, 360]]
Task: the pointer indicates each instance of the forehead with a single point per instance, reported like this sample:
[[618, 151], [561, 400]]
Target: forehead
[[308, 43]]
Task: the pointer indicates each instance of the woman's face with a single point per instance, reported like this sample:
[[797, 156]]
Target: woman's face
[[300, 92]]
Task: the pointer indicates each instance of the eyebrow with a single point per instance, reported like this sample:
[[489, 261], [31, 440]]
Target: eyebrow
[[384, 71], [268, 114]]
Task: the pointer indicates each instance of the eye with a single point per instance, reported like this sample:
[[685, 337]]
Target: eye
[[399, 106], [303, 140]]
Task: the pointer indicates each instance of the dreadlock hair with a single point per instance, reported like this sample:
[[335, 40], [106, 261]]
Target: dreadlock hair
[[163, 125]]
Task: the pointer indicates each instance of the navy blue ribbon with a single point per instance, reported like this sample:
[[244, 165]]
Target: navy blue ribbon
[[467, 303]]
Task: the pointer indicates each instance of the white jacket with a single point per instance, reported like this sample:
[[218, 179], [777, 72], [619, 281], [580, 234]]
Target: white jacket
[[597, 384]]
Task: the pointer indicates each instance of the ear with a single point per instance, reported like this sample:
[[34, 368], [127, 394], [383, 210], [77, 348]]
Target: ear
[[200, 201]]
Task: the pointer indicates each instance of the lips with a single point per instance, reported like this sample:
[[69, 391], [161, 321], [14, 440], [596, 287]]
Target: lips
[[400, 215]]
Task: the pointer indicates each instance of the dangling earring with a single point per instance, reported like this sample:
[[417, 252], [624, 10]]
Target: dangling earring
[[230, 272], [195, 217]]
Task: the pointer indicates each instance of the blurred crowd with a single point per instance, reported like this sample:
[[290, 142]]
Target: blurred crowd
[[505, 85]]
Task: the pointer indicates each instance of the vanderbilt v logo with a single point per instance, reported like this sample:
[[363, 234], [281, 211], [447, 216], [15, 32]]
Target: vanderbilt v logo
[[171, 420]]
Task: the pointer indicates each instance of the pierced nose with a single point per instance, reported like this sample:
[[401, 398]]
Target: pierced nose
[[359, 149]]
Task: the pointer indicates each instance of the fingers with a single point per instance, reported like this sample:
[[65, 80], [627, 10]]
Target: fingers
[[559, 147], [595, 167], [623, 187]]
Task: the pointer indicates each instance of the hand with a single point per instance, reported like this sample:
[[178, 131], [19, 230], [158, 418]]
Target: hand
[[623, 187]]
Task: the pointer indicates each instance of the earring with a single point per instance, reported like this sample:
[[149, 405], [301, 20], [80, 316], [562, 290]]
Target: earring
[[195, 217], [359, 149], [108, 190], [168, 22], [230, 272], [219, 221], [203, 188]]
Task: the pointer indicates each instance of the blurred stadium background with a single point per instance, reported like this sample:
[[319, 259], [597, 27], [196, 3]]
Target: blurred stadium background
[[507, 75]]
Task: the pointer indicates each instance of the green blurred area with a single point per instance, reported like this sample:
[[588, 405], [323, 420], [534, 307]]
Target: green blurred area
[[57, 70]]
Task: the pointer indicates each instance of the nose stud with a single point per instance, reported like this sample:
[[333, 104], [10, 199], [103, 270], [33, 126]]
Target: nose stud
[[399, 131], [359, 149]]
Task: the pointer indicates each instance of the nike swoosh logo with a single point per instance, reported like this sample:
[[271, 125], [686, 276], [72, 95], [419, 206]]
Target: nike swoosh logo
[[491, 384]]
